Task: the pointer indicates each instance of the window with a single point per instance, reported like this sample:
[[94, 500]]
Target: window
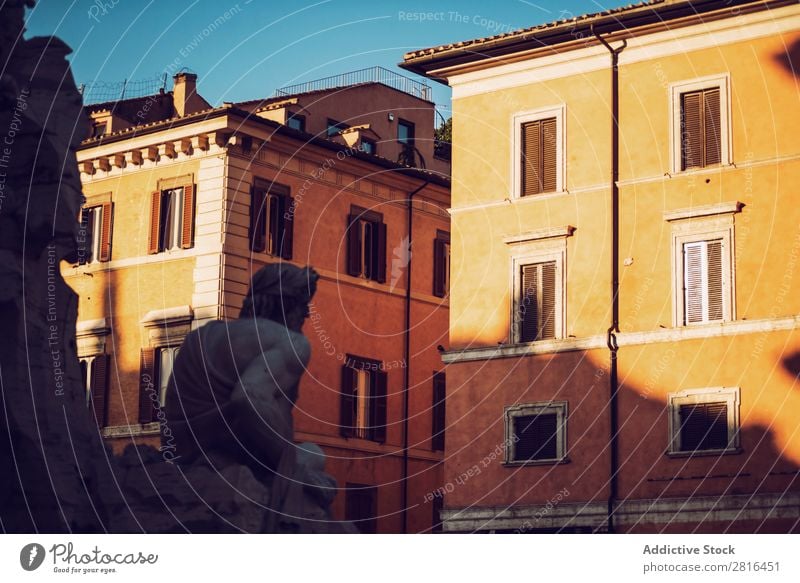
[[334, 127], [297, 122], [538, 162], [438, 429], [704, 421], [94, 372], [702, 282], [701, 125], [368, 146], [271, 219], [363, 405], [94, 235], [537, 303], [361, 507], [99, 129], [405, 132], [536, 433], [171, 219], [441, 264], [366, 244], [155, 370]]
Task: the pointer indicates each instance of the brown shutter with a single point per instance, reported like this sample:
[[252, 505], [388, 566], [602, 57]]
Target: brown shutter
[[712, 124], [148, 384], [378, 398], [99, 388], [547, 326], [531, 158], [691, 131], [529, 303], [440, 264], [353, 244], [536, 437], [154, 245], [693, 282], [715, 282], [187, 236], [287, 221], [87, 245], [105, 233], [438, 425], [549, 151], [347, 412], [258, 211], [380, 251], [703, 426]]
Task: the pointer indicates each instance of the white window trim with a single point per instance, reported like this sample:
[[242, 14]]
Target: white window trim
[[528, 251], [519, 118], [692, 231], [560, 408], [723, 82], [731, 396]]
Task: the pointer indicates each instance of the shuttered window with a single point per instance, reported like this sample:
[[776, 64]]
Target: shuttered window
[[703, 426], [441, 264], [94, 371], [171, 219], [537, 303], [366, 244], [701, 138], [703, 282], [361, 507], [272, 212], [148, 385], [535, 437], [438, 429], [539, 156], [94, 241], [363, 409]]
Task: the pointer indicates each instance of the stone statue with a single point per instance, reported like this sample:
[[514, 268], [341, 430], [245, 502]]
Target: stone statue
[[231, 394]]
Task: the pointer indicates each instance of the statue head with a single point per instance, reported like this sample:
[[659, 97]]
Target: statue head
[[281, 292]]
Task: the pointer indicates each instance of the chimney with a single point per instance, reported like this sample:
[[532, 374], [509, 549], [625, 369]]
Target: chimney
[[184, 91]]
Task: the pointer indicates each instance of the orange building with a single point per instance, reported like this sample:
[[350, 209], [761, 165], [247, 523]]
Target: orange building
[[625, 326], [184, 202]]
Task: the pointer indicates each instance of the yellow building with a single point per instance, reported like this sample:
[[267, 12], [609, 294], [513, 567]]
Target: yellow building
[[625, 322], [184, 202]]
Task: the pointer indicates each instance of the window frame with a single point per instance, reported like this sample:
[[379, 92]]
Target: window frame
[[301, 119], [331, 124], [441, 281], [731, 396], [676, 91], [439, 411], [517, 121], [280, 244], [367, 525], [694, 231], [359, 216], [559, 408], [371, 429], [412, 142], [372, 143], [534, 253]]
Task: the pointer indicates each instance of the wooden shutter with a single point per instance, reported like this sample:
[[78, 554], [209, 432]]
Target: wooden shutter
[[154, 244], [348, 402], [714, 280], [547, 325], [148, 384], [378, 398], [549, 149], [438, 425], [99, 388], [703, 426], [440, 264], [83, 257], [379, 255], [354, 244], [287, 233], [693, 282], [258, 203], [692, 130], [536, 437], [712, 126], [531, 158], [529, 303], [187, 235], [361, 503], [105, 232]]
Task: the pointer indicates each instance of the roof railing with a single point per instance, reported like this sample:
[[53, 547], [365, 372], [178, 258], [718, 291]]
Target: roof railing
[[374, 74]]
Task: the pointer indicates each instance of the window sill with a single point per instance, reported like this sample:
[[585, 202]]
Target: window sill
[[517, 198], [549, 462], [136, 430], [704, 452]]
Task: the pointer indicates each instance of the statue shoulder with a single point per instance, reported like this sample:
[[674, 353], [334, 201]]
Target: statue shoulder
[[254, 336]]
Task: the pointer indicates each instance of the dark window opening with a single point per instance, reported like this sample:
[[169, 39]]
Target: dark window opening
[[703, 426], [364, 399], [535, 437], [271, 220], [366, 245], [361, 506]]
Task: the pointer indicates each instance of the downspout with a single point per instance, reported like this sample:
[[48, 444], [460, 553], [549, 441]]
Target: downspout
[[613, 329], [407, 346]]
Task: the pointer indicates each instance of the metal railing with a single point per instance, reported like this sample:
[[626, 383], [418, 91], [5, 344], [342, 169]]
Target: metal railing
[[369, 75], [100, 91]]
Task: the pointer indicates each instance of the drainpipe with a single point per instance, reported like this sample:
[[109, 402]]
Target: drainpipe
[[613, 329], [407, 345]]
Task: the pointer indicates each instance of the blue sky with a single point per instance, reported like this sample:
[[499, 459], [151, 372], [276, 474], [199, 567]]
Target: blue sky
[[257, 46]]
